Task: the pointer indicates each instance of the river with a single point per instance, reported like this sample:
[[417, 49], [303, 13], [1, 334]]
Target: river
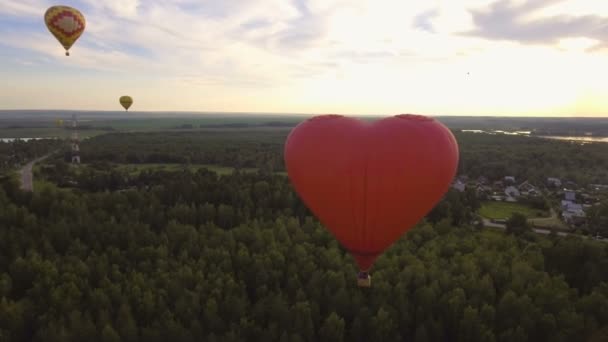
[[6, 140]]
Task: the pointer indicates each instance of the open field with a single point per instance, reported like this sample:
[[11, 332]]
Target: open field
[[220, 170], [550, 223], [43, 132], [501, 210], [43, 122], [134, 169]]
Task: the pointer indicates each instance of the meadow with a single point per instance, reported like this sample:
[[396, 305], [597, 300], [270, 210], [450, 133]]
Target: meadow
[[503, 210]]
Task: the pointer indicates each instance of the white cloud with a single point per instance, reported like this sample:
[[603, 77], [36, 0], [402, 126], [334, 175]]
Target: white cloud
[[20, 8], [331, 54]]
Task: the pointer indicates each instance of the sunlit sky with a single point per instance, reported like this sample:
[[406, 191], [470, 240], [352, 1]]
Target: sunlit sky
[[451, 57]]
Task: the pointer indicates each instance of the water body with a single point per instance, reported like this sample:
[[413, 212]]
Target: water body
[[582, 139], [7, 140]]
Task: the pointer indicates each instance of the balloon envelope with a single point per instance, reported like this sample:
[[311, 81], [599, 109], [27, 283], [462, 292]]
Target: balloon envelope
[[66, 24], [126, 101], [369, 183]]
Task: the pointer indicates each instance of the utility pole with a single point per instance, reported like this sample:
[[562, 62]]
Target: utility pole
[[75, 141]]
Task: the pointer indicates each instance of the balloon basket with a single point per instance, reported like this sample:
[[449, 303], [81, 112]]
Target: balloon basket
[[364, 279]]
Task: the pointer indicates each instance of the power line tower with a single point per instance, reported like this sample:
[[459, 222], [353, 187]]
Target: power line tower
[[75, 141]]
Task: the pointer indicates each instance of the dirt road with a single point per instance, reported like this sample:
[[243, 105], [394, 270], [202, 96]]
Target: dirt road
[[27, 177]]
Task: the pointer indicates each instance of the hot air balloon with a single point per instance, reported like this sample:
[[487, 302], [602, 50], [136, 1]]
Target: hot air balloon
[[369, 183], [66, 24], [126, 102]]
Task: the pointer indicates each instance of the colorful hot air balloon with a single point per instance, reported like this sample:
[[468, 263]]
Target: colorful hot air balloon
[[368, 183], [126, 102], [66, 24]]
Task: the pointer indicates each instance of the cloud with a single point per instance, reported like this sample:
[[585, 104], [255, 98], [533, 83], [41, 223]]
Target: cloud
[[423, 20], [29, 8], [504, 20], [118, 8]]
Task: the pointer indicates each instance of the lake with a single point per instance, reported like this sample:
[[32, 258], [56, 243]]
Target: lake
[[582, 139], [24, 139]]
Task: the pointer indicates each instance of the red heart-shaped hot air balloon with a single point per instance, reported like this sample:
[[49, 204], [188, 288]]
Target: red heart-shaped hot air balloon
[[369, 183]]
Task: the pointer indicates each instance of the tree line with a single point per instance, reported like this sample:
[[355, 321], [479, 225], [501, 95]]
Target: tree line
[[491, 156], [19, 152]]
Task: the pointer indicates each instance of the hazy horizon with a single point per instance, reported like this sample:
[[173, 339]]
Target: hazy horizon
[[361, 57], [10, 113]]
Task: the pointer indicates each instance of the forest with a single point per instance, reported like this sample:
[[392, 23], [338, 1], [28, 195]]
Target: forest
[[97, 254], [491, 156], [19, 152]]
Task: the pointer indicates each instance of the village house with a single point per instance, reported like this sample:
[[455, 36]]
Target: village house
[[498, 198], [598, 187], [554, 182], [482, 180], [459, 185], [570, 196], [573, 213], [588, 199], [483, 192], [509, 180], [527, 189], [498, 186], [463, 178], [512, 194]]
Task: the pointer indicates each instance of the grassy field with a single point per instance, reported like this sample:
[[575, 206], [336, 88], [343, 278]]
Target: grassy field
[[221, 170], [43, 132], [134, 169], [501, 210], [29, 127]]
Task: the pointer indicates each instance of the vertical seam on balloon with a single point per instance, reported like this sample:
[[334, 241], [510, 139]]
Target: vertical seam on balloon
[[365, 193], [353, 206]]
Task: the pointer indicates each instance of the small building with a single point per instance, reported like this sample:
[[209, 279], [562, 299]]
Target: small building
[[512, 191], [460, 186], [570, 195], [588, 199], [482, 180], [554, 182], [575, 207], [463, 178], [573, 213], [482, 191], [527, 189], [509, 180], [598, 187], [574, 218], [526, 186]]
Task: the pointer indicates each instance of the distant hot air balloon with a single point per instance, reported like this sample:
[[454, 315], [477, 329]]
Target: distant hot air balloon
[[126, 102], [369, 183], [66, 24]]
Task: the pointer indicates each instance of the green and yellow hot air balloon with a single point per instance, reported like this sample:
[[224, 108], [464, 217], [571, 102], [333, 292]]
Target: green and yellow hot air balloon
[[126, 101]]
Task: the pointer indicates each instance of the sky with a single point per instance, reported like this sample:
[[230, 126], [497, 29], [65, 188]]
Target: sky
[[432, 57]]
